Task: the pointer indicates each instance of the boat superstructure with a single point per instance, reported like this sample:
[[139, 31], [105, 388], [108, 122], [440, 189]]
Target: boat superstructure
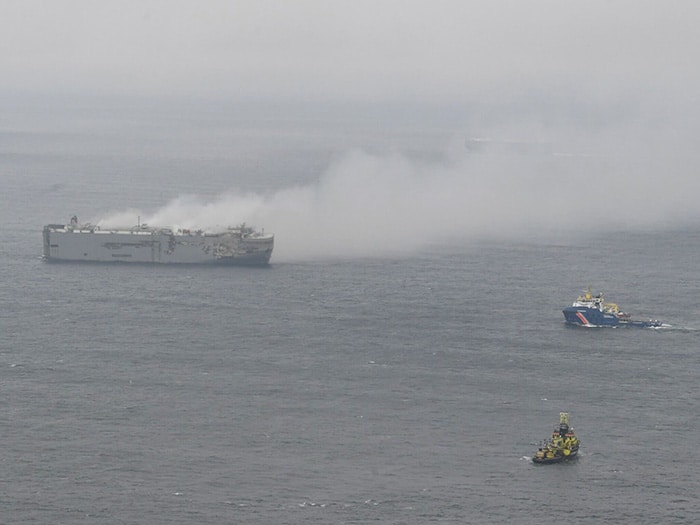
[[563, 445], [592, 310], [240, 245]]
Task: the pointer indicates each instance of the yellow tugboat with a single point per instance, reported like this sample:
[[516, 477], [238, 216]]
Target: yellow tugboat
[[562, 447]]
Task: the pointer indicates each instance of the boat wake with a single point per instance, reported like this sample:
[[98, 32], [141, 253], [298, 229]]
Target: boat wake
[[675, 328]]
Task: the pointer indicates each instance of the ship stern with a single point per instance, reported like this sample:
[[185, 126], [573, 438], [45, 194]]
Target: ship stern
[[47, 242]]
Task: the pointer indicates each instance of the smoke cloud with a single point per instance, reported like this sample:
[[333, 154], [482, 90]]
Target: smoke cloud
[[373, 205]]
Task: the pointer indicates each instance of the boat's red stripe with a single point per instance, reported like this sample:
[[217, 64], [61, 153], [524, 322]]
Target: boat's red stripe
[[580, 316]]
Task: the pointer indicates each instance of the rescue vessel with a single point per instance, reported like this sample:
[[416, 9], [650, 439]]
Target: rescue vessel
[[592, 311], [563, 446]]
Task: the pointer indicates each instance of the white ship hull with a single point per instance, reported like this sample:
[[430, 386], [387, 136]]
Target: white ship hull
[[238, 246]]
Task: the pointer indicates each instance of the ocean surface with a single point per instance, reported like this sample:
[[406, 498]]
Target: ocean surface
[[409, 389]]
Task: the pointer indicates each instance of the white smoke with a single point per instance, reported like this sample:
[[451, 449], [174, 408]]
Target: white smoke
[[368, 205]]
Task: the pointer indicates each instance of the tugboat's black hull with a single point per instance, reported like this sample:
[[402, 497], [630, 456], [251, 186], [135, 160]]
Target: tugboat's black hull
[[555, 459]]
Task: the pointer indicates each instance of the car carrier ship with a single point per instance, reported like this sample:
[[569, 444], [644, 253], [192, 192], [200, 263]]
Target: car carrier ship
[[240, 245]]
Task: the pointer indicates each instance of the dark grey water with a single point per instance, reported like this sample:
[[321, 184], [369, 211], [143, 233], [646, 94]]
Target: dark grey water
[[395, 390]]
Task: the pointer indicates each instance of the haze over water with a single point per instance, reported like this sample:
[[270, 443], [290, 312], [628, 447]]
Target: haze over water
[[402, 382]]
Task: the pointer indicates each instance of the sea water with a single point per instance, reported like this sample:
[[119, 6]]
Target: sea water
[[397, 389]]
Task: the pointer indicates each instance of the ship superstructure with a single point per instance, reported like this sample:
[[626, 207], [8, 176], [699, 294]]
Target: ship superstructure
[[240, 245]]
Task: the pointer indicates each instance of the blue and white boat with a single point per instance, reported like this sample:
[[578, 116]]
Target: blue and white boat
[[592, 311]]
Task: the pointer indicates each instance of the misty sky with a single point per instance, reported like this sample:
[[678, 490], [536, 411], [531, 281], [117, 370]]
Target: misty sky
[[418, 51], [611, 85]]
